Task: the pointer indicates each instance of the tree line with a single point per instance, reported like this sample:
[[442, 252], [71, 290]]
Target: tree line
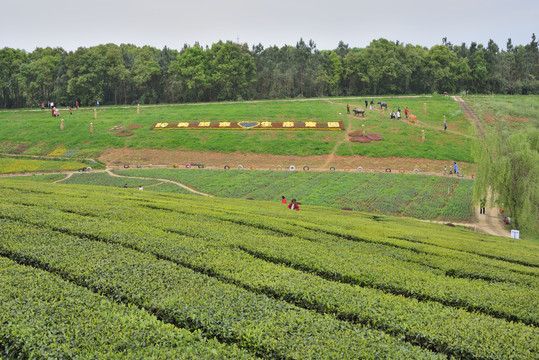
[[128, 74]]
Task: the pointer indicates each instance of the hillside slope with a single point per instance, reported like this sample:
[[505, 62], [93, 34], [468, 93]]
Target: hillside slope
[[272, 282]]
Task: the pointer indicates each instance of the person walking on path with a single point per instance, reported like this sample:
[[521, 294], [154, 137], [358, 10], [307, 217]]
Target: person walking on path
[[283, 200], [482, 205], [455, 166], [293, 205], [445, 125], [406, 112]]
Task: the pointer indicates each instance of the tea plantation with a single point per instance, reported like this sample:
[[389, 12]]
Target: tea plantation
[[100, 272], [447, 198]]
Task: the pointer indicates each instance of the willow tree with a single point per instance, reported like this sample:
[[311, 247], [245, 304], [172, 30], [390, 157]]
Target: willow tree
[[508, 163]]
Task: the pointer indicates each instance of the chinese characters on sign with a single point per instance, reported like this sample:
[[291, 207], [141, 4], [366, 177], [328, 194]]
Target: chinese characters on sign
[[261, 125]]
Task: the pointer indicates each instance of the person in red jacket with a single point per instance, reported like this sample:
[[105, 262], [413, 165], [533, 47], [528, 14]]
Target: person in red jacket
[[406, 112], [293, 205], [283, 201]]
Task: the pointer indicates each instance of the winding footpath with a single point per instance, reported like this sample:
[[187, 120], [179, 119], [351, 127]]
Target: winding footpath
[[492, 221]]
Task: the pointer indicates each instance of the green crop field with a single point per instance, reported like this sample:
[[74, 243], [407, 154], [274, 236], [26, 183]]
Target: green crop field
[[38, 133], [101, 272], [424, 197], [15, 164]]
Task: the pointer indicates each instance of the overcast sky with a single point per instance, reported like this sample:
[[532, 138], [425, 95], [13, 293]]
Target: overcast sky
[[27, 24]]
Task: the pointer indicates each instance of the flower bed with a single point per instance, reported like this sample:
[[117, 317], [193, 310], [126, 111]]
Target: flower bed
[[373, 136], [360, 139], [246, 125]]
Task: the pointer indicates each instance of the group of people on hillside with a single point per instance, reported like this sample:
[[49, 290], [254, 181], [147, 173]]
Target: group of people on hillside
[[397, 114], [293, 204]]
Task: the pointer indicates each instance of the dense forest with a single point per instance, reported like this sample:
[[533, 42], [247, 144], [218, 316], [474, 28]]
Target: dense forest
[[127, 74]]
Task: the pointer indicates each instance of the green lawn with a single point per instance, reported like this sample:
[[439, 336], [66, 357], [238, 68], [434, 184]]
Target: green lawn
[[36, 132]]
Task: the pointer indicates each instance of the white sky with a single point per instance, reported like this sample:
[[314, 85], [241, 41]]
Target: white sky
[[27, 24]]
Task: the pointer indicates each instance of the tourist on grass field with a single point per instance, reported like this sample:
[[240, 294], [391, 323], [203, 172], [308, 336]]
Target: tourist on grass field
[[445, 125], [293, 205], [455, 166], [283, 201], [406, 112], [140, 187]]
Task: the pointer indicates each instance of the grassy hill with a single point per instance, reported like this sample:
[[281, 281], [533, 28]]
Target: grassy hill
[[131, 274], [38, 133]]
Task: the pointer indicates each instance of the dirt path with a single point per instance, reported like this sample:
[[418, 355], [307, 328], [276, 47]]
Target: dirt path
[[161, 180], [68, 175], [91, 108], [331, 156], [152, 158], [470, 115], [110, 173], [491, 222]]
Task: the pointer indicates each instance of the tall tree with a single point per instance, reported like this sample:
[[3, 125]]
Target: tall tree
[[233, 69], [11, 81], [508, 163], [117, 73], [86, 69], [146, 74], [191, 69]]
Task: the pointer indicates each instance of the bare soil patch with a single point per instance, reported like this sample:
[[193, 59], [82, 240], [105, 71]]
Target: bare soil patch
[[214, 160]]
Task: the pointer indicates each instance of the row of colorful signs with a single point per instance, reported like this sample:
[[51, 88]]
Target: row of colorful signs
[[260, 125]]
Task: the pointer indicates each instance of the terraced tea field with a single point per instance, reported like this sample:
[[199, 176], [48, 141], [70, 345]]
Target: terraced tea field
[[423, 197], [101, 272]]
